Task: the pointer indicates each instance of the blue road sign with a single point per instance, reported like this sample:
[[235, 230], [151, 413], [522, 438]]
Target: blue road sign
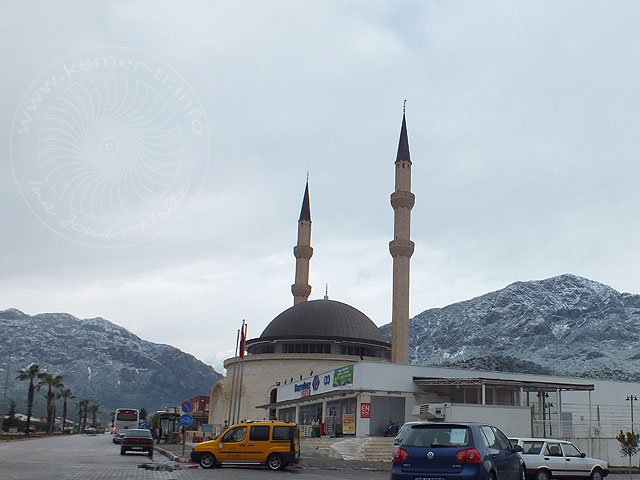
[[187, 406], [186, 420], [145, 424]]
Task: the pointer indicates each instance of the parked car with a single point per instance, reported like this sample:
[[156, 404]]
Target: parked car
[[276, 444], [117, 437], [137, 440], [545, 458], [456, 451], [90, 431], [404, 429]]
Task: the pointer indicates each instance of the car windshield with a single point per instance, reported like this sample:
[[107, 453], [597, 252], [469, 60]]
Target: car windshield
[[437, 436], [532, 448]]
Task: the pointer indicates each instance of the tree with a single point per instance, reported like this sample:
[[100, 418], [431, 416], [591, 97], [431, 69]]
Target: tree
[[82, 414], [31, 374], [66, 395], [629, 444], [94, 409], [144, 413], [52, 382], [11, 420]]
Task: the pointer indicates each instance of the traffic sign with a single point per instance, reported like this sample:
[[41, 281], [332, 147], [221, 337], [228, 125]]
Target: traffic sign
[[186, 420], [145, 424], [187, 406]]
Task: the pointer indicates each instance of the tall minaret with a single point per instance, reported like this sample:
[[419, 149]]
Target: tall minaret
[[401, 249], [303, 252]]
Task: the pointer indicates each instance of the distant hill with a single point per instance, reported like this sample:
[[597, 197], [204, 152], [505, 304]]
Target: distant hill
[[565, 325], [99, 361]]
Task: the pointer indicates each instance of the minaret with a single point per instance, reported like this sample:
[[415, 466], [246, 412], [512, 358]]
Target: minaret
[[303, 252], [401, 249]]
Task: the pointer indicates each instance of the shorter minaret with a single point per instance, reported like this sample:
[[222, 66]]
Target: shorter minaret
[[303, 252], [401, 249]]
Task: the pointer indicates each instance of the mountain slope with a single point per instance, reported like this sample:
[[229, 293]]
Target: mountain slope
[[566, 325], [99, 361]]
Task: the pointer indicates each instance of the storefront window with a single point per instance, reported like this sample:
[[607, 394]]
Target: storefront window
[[310, 414]]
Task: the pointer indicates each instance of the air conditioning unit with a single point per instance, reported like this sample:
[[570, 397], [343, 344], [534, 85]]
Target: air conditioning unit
[[430, 411]]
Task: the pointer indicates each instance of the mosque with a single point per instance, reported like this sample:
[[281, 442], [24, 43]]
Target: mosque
[[324, 361], [319, 335]]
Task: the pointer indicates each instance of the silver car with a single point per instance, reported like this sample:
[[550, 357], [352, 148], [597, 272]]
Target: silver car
[[546, 458]]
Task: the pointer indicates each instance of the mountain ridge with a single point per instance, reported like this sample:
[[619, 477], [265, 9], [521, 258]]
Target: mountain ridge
[[564, 325], [101, 361]]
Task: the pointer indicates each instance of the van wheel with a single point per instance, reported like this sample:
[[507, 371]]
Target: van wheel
[[207, 460], [596, 474], [274, 462]]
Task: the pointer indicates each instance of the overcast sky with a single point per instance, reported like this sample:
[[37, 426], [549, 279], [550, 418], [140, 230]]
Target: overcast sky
[[189, 155]]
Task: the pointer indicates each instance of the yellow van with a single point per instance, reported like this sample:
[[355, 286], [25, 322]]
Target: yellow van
[[276, 444]]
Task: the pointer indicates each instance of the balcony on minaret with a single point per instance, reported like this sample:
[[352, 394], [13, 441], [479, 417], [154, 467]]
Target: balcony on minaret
[[303, 251], [301, 290], [402, 199], [401, 248]]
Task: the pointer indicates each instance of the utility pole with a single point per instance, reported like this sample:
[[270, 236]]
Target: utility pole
[[630, 398]]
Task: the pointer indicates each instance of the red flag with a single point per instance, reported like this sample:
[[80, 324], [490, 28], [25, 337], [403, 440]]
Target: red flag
[[243, 339]]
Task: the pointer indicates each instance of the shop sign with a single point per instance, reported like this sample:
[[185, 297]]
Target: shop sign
[[343, 376], [365, 410], [299, 387], [348, 424], [306, 393]]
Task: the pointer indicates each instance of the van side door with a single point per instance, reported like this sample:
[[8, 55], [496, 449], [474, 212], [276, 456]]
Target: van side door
[[257, 448]]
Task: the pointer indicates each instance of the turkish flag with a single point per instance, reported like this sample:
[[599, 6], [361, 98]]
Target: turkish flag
[[243, 339]]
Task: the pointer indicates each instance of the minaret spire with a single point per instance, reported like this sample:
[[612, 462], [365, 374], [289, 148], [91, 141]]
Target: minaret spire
[[401, 248], [303, 251]]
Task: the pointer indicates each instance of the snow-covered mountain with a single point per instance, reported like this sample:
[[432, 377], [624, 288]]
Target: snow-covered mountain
[[99, 361], [566, 325]]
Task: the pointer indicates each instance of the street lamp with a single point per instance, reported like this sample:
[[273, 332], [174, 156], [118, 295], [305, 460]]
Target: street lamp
[[549, 405], [631, 398], [544, 396]]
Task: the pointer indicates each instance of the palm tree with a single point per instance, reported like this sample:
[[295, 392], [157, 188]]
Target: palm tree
[[52, 382], [65, 394], [94, 408], [30, 373], [82, 414]]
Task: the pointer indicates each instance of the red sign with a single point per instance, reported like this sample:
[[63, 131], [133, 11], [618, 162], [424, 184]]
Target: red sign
[[365, 410]]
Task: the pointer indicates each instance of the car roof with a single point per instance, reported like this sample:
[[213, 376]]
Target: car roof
[[534, 439]]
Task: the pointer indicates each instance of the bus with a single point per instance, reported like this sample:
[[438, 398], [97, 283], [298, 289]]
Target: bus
[[124, 419]]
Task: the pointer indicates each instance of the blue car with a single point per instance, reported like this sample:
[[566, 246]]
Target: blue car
[[456, 451]]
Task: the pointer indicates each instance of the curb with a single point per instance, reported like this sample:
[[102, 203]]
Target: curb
[[170, 455]]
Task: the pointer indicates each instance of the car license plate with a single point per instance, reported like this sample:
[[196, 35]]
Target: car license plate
[[136, 448], [428, 478]]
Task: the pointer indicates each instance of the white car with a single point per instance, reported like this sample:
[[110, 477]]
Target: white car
[[546, 458]]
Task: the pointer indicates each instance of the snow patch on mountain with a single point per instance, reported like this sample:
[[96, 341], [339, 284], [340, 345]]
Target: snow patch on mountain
[[564, 325]]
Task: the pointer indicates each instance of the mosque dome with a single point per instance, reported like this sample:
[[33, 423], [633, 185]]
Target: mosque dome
[[323, 319], [321, 327]]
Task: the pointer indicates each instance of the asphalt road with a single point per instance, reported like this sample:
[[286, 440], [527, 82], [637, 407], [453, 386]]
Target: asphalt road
[[81, 457]]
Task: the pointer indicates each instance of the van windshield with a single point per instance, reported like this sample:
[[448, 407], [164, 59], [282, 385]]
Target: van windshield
[[437, 436]]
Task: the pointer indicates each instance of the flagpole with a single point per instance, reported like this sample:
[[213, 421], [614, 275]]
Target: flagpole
[[242, 344], [233, 382]]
